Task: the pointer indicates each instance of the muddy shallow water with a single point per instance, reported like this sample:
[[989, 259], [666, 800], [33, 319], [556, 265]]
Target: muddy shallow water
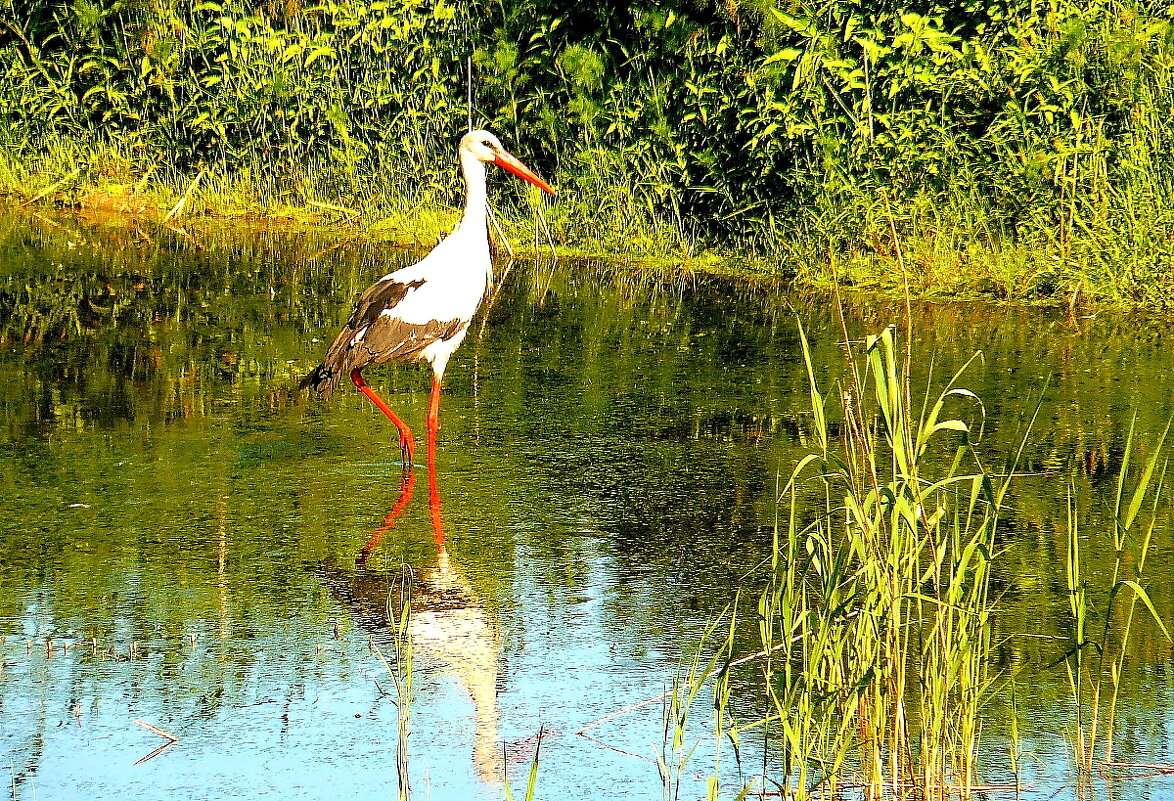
[[183, 530]]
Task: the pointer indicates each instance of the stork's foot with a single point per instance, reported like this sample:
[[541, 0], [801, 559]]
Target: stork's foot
[[407, 449]]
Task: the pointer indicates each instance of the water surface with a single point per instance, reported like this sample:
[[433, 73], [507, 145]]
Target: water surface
[[182, 527]]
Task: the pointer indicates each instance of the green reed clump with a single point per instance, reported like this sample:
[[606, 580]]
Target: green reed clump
[[695, 671], [1095, 659], [876, 620]]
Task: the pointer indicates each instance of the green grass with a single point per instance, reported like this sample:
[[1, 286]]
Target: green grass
[[531, 776], [875, 656], [875, 624], [104, 181], [923, 247], [1011, 152], [1095, 660], [874, 653]]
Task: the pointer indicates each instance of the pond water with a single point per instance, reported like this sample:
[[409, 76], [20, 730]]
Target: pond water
[[190, 542]]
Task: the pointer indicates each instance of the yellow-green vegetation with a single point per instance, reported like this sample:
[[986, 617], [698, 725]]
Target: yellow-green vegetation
[[876, 621], [878, 663], [1010, 150], [1095, 660]]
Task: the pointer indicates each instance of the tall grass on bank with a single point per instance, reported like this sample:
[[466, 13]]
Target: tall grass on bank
[[876, 620], [1011, 150], [606, 217]]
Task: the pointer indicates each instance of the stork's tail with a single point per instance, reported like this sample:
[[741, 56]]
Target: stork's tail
[[322, 380]]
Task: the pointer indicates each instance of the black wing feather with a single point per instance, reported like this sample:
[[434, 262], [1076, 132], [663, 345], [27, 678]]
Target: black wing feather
[[385, 338]]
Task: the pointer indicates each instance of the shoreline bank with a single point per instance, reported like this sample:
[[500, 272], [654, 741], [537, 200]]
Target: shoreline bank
[[923, 269]]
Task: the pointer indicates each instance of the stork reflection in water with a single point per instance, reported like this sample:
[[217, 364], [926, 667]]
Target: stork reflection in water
[[448, 622]]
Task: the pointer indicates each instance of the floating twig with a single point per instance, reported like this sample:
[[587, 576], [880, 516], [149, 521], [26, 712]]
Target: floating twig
[[1154, 768], [156, 730], [181, 232], [166, 735], [633, 707], [157, 751]]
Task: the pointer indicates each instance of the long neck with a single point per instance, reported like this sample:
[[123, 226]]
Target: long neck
[[473, 223]]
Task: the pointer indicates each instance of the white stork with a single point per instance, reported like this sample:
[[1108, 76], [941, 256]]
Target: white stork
[[422, 312]]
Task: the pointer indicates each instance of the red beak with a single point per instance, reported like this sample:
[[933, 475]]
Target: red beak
[[509, 162]]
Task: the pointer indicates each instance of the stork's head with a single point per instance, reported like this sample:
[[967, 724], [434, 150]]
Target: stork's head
[[486, 148]]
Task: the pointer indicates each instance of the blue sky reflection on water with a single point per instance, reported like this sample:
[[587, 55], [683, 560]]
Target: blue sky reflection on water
[[310, 718]]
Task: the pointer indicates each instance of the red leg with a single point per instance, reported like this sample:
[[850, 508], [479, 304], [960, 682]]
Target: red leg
[[406, 443], [433, 422], [434, 513], [433, 492]]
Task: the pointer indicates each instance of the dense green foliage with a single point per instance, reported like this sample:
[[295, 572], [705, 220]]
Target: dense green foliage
[[1033, 138]]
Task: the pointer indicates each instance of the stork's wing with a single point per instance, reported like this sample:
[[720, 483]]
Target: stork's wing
[[392, 339], [376, 333], [382, 296]]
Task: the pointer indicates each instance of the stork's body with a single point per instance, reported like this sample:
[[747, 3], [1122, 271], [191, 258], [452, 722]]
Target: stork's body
[[422, 312]]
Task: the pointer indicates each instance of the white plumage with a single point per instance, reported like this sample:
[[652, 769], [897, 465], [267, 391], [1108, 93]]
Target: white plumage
[[422, 312]]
